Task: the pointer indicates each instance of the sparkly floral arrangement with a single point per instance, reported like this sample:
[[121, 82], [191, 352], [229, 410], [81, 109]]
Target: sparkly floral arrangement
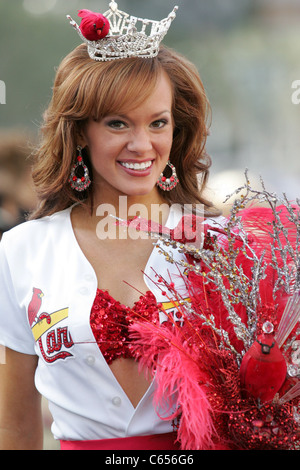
[[234, 361]]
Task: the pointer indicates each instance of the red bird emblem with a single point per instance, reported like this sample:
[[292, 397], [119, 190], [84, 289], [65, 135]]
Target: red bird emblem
[[94, 26], [34, 305], [263, 369]]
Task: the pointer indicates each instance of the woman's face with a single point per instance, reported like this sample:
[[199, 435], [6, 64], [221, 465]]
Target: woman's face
[[129, 151]]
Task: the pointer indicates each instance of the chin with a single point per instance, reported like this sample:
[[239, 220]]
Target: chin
[[139, 191]]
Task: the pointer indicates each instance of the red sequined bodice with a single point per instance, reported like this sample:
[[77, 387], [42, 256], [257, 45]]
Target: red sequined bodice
[[110, 321]]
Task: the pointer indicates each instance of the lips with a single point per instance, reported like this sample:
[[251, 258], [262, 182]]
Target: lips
[[137, 169], [137, 166]]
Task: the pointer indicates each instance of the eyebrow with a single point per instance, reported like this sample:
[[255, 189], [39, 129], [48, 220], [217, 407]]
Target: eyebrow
[[155, 115], [160, 113]]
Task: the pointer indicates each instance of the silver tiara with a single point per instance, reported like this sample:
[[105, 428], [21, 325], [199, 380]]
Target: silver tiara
[[128, 36]]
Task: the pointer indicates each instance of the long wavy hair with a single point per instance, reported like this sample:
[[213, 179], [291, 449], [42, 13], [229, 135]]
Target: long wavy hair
[[85, 89]]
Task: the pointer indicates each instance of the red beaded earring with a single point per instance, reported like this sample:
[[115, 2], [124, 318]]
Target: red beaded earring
[[168, 183], [80, 178]]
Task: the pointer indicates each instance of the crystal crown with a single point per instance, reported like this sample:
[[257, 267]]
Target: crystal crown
[[128, 36]]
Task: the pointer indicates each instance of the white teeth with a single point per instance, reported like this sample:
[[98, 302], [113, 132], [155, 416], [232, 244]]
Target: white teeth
[[137, 166]]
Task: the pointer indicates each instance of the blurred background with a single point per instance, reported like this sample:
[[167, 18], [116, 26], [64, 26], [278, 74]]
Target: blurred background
[[247, 53]]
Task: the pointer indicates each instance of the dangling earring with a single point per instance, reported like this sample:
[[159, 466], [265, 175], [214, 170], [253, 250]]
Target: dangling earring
[[80, 182], [168, 183]]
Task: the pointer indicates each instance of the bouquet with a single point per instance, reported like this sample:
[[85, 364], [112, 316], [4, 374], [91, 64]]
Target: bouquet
[[234, 362]]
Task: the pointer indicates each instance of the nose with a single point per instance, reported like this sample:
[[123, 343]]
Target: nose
[[140, 141]]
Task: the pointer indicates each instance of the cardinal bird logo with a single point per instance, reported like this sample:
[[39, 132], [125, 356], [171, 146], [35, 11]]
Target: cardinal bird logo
[[35, 305], [53, 340]]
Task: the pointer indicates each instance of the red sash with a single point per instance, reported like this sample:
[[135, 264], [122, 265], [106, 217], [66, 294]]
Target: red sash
[[152, 442]]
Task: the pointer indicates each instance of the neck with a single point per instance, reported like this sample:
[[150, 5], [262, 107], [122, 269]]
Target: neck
[[150, 206]]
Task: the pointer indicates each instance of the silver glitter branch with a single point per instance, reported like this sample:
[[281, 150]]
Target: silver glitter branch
[[228, 278]]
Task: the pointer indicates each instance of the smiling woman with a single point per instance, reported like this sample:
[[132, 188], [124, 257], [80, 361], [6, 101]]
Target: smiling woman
[[133, 127], [86, 90]]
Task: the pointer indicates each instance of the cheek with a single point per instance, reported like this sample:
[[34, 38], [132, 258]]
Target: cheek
[[102, 146], [102, 153], [166, 145], [164, 142]]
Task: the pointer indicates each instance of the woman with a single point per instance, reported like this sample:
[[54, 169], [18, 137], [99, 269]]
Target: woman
[[66, 281]]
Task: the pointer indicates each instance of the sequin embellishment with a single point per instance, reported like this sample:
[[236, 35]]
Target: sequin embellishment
[[110, 321]]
